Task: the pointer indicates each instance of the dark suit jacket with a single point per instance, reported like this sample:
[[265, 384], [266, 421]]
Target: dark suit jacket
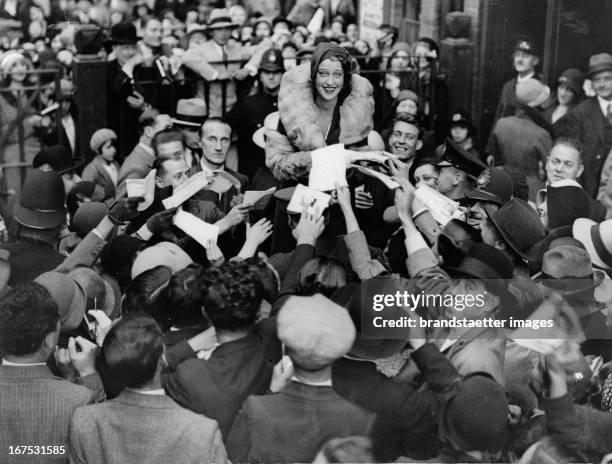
[[35, 409], [226, 198], [245, 118], [586, 123], [29, 258], [121, 117], [95, 172], [57, 135], [217, 387], [135, 427], [407, 417], [293, 424]]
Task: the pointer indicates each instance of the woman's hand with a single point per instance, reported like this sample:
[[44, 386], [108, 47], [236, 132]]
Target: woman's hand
[[214, 253], [309, 228], [399, 168], [343, 195], [403, 199], [259, 232]]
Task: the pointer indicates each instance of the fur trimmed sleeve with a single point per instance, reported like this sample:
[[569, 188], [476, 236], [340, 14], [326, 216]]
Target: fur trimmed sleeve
[[283, 160]]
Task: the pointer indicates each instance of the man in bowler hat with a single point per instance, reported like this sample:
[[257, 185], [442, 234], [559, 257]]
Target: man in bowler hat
[[591, 122]]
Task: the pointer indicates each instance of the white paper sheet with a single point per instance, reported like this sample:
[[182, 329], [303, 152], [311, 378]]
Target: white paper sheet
[[442, 208], [142, 188], [328, 167], [305, 196], [253, 196], [185, 191], [385, 179], [193, 226]]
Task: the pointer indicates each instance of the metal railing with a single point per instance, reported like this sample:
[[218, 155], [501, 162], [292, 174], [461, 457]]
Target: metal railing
[[27, 103], [411, 79]]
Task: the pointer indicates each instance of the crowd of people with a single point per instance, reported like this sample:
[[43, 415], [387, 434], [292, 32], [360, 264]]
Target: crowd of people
[[163, 300]]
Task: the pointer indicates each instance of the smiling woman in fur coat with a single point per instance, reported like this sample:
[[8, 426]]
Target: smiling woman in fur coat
[[320, 103]]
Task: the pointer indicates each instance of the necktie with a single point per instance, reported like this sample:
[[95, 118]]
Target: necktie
[[609, 113], [224, 54]]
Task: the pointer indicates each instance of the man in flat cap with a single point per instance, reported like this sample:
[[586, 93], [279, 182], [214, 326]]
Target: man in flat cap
[[292, 425]]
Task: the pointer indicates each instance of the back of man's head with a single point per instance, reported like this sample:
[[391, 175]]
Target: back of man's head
[[233, 296], [27, 315], [132, 349]]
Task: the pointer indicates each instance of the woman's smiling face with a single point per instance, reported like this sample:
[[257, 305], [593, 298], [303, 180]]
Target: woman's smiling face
[[329, 79]]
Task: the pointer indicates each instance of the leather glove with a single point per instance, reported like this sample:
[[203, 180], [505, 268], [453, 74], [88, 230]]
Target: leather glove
[[161, 222], [124, 210]]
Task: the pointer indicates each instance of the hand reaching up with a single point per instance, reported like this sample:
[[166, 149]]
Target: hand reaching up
[[309, 228]]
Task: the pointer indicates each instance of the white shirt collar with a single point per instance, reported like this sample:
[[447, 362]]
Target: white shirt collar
[[603, 104], [8, 363], [528, 76], [158, 391], [207, 170], [325, 383]]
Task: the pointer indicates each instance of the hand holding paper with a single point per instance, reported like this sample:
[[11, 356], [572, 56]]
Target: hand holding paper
[[199, 230], [442, 208], [313, 200], [142, 188], [328, 167], [253, 196], [185, 191]]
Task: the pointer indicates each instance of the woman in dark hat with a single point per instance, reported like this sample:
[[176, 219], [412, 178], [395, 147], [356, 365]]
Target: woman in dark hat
[[569, 94], [462, 131], [320, 103]]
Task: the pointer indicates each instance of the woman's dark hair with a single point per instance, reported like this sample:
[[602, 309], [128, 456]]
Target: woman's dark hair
[[268, 277], [233, 295], [142, 294], [182, 300], [132, 349], [330, 51], [321, 275], [27, 315]]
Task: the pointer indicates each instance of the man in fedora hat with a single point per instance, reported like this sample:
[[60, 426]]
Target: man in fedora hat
[[407, 421], [248, 115], [568, 271], [591, 122], [189, 117], [218, 59], [124, 102]]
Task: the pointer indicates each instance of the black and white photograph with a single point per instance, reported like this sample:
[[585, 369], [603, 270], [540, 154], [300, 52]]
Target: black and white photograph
[[305, 231]]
